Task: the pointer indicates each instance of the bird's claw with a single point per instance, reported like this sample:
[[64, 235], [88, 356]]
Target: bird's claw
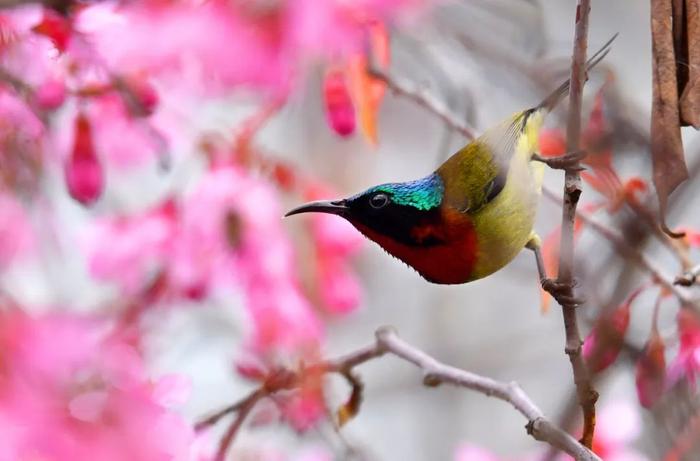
[[569, 161], [562, 292]]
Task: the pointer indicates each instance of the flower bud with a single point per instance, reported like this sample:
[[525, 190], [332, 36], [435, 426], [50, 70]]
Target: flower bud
[[84, 175], [340, 111]]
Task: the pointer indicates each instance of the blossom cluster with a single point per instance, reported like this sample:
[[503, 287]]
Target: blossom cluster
[[91, 92]]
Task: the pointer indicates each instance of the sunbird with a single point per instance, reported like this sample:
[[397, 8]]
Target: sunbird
[[471, 216]]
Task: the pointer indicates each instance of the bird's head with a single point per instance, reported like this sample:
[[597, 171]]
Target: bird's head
[[397, 211]]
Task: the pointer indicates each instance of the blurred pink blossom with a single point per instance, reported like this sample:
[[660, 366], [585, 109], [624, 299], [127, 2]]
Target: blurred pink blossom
[[128, 250], [470, 452], [687, 362], [88, 399], [266, 43], [17, 121], [16, 232], [231, 225], [618, 426], [336, 241], [50, 94], [226, 233], [121, 139]]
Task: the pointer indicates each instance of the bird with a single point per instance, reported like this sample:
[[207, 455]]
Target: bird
[[474, 213]]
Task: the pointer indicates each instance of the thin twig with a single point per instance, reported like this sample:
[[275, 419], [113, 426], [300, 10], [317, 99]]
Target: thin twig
[[413, 92], [216, 417], [434, 373], [587, 396], [245, 407]]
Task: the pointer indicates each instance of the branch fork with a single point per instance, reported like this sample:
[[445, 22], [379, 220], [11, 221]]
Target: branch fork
[[388, 342]]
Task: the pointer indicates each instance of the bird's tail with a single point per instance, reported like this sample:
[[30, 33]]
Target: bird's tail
[[557, 95]]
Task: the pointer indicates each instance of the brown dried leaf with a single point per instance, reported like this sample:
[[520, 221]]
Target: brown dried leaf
[[349, 409], [680, 43], [690, 98], [666, 145]]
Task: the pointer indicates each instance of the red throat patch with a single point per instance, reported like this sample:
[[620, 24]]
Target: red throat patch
[[451, 262]]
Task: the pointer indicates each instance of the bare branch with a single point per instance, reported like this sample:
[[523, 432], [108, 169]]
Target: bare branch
[[411, 91], [587, 396], [434, 373], [246, 406]]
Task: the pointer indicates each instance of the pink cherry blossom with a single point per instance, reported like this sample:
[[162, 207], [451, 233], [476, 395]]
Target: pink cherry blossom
[[336, 242], [226, 233], [119, 135], [88, 399], [16, 233], [266, 44], [232, 221], [687, 362], [128, 250], [25, 52], [50, 94]]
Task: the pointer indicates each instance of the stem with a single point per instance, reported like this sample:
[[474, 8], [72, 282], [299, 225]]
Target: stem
[[434, 374], [587, 396]]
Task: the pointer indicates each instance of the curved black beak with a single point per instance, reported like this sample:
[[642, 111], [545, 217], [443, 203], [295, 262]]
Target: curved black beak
[[338, 207]]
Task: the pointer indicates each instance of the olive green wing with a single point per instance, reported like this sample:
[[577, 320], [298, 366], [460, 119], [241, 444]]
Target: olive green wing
[[477, 173]]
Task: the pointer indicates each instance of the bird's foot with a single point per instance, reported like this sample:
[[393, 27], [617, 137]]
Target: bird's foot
[[562, 292], [569, 161]]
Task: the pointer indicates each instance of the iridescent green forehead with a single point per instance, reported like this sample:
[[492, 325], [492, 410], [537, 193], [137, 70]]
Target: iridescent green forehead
[[424, 194]]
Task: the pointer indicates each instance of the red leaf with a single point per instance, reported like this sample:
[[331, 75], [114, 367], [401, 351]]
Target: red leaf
[[603, 344], [597, 137], [340, 112], [633, 187], [651, 371], [551, 143], [56, 28], [550, 257], [83, 171], [368, 92]]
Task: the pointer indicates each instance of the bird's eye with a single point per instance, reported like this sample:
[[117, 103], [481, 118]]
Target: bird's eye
[[379, 201]]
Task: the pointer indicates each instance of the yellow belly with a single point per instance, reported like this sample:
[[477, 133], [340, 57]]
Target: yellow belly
[[504, 226]]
